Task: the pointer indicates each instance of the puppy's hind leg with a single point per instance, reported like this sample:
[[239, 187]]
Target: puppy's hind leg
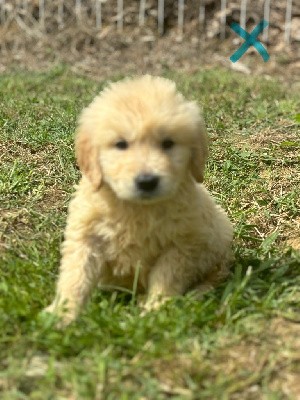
[[176, 273], [79, 273]]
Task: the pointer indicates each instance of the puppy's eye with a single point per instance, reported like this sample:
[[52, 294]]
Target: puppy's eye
[[121, 144], [167, 144]]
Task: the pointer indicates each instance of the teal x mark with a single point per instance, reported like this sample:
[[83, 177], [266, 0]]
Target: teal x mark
[[250, 40]]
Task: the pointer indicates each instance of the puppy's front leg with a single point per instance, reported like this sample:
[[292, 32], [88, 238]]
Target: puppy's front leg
[[172, 275], [79, 273]]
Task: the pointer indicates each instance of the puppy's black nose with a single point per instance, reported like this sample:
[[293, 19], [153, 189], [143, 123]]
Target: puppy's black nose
[[146, 182]]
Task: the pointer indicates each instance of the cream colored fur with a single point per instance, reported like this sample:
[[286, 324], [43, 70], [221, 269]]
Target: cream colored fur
[[178, 236]]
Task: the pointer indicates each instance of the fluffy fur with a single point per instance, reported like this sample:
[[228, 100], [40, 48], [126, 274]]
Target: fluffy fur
[[175, 233]]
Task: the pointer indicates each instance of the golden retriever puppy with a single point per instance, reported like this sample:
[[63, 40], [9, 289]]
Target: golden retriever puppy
[[141, 148]]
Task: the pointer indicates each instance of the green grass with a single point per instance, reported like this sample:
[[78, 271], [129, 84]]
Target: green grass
[[241, 341]]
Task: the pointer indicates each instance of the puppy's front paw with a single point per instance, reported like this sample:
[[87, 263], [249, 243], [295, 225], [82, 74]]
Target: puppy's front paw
[[50, 309], [64, 316], [153, 304]]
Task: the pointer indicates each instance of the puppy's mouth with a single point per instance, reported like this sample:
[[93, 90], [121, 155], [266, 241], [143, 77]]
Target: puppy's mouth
[[144, 196], [141, 197]]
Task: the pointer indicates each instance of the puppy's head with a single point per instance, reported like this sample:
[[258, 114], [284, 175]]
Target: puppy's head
[[142, 138]]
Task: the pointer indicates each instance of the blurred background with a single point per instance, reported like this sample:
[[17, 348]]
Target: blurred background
[[104, 37]]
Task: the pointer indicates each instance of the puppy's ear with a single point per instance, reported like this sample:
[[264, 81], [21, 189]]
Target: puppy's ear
[[87, 158], [199, 154]]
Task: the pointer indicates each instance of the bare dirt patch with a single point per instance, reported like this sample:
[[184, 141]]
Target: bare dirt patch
[[268, 360], [272, 358]]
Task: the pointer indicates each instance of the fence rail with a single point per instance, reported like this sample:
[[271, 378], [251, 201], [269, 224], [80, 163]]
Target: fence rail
[[44, 16]]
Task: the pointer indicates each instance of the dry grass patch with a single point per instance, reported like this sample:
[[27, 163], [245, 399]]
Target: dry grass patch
[[273, 358]]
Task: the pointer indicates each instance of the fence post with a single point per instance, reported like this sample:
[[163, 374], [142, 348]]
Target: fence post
[[2, 11], [78, 10], [243, 14], [202, 13], [161, 16], [60, 13], [223, 19], [42, 13], [266, 18], [142, 12], [98, 11], [288, 18], [180, 16], [120, 15]]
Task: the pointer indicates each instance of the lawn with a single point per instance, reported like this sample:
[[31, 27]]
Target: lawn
[[241, 341]]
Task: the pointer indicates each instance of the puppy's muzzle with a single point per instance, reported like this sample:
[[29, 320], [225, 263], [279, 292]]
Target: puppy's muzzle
[[147, 183]]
